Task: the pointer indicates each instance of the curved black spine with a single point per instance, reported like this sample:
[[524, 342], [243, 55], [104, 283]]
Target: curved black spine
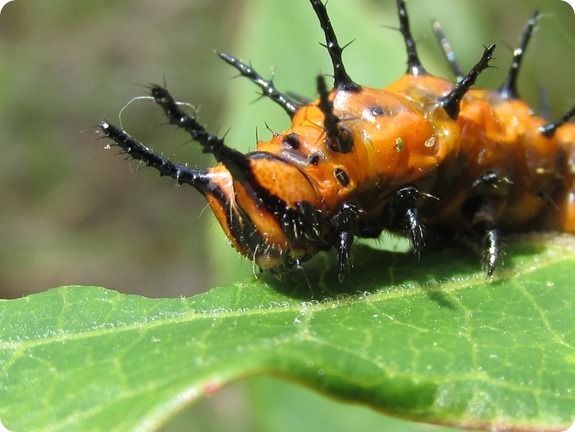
[[509, 87], [549, 129], [451, 102], [342, 80], [267, 86], [181, 173], [414, 66]]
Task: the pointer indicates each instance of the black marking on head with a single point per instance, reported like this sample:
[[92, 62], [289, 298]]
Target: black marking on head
[[509, 88], [311, 219], [241, 226], [291, 140], [414, 66], [342, 80], [293, 223], [341, 177]]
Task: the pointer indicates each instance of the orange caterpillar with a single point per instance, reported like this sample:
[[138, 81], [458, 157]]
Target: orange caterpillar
[[423, 157]]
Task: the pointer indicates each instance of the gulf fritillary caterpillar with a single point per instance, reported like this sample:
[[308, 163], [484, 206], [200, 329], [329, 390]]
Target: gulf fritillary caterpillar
[[423, 157]]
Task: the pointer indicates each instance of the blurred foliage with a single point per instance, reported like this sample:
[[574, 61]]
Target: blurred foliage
[[73, 213]]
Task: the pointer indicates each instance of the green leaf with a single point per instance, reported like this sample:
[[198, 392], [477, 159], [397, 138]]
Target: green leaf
[[432, 340]]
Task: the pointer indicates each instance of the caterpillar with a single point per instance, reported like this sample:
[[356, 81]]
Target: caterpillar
[[425, 157]]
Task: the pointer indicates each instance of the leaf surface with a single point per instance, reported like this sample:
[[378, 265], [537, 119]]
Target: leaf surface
[[431, 340]]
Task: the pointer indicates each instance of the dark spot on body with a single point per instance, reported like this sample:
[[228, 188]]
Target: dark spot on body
[[291, 140], [313, 159], [341, 177]]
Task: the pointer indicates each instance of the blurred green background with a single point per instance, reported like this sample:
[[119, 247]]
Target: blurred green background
[[74, 213]]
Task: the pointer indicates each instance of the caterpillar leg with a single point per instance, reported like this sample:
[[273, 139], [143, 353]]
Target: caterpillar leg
[[491, 242], [402, 215], [345, 241], [345, 225], [483, 209]]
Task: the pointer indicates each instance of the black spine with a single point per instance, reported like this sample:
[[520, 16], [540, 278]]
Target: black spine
[[451, 102], [509, 87], [549, 129], [181, 173], [235, 161], [267, 87], [414, 66], [342, 80]]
